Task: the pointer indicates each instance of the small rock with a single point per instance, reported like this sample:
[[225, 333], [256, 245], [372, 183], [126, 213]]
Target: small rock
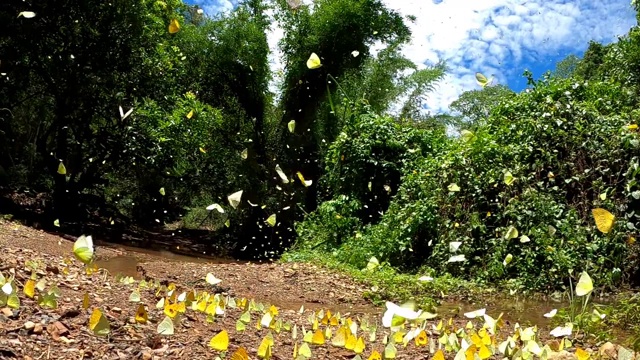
[[7, 312], [66, 340], [608, 351], [29, 325], [38, 329], [117, 310]]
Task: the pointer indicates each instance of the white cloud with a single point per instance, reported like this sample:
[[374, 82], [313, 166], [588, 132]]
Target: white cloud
[[498, 37]]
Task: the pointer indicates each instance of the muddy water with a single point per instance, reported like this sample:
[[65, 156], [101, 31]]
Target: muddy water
[[127, 263], [526, 312]]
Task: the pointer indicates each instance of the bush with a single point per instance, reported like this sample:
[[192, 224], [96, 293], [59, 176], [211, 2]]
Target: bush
[[539, 164]]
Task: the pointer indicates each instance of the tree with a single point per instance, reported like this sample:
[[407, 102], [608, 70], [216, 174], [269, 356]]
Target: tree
[[333, 31], [566, 67], [475, 105], [76, 61], [593, 58]]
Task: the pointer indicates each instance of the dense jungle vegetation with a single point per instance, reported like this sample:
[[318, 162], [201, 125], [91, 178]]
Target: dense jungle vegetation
[[149, 113]]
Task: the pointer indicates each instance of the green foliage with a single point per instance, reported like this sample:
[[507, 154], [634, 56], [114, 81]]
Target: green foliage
[[565, 143], [566, 67], [386, 283], [474, 106], [182, 154]]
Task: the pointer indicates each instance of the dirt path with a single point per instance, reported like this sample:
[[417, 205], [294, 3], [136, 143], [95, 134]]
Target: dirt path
[[287, 286], [35, 331]]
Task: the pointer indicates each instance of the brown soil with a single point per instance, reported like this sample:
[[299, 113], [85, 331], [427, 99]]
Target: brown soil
[[34, 332]]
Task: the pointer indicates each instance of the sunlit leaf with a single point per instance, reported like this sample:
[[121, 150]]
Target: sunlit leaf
[[453, 187], [551, 313]]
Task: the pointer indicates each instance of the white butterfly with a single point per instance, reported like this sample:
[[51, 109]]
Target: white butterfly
[[123, 115]]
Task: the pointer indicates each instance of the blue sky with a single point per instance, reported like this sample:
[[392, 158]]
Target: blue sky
[[499, 37]]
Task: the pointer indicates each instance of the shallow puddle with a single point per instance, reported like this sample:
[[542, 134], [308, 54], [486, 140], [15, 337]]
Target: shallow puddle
[[122, 264], [526, 312], [127, 264]]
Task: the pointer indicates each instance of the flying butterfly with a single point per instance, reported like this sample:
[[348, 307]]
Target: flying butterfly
[[314, 61]]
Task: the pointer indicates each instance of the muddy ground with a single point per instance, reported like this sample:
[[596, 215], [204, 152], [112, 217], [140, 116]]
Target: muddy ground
[[34, 332]]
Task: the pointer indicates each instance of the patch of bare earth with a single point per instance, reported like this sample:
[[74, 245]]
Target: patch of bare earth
[[35, 332]]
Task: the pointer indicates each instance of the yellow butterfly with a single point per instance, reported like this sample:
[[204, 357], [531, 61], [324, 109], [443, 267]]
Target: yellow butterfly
[[313, 62], [62, 170], [234, 199], [166, 326], [141, 315], [98, 323], [220, 341], [83, 249], [240, 354], [174, 26], [604, 219], [375, 355], [482, 80], [585, 284]]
